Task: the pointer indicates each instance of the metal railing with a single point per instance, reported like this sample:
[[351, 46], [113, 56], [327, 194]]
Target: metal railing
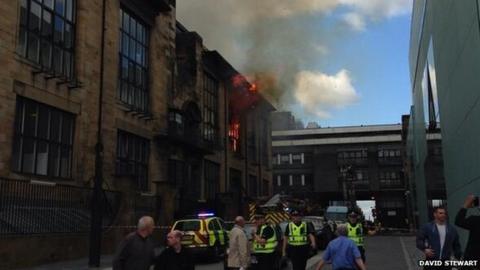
[[36, 207]]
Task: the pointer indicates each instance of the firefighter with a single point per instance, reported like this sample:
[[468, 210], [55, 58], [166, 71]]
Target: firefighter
[[296, 241], [355, 232], [264, 245]]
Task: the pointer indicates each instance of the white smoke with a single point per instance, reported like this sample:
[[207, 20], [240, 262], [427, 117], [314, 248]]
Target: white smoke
[[318, 93]]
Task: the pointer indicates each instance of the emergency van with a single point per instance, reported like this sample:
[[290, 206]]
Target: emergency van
[[204, 236]]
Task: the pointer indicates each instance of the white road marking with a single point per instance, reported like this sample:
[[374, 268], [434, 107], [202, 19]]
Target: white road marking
[[407, 256]]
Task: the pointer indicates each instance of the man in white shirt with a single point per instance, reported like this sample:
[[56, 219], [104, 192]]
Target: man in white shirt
[[438, 240], [238, 251]]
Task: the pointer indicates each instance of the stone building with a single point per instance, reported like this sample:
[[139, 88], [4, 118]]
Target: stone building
[[179, 128], [218, 139]]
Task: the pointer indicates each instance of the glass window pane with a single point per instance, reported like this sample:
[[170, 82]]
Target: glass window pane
[[124, 93], [59, 25], [124, 44], [55, 123], [146, 152], [23, 12], [19, 116], [133, 27], [68, 36], [69, 10], [138, 76], [30, 119], [132, 49], [139, 32], [58, 60], [131, 92], [17, 153], [28, 164], [65, 162], [143, 57], [22, 41], [139, 53], [145, 77], [126, 22], [67, 64], [60, 7], [137, 98], [35, 16], [48, 3], [43, 119], [33, 47], [67, 124], [46, 54], [131, 72], [47, 23], [42, 158], [54, 162], [124, 66]]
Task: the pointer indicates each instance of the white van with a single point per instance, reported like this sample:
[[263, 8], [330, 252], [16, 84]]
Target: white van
[[338, 214]]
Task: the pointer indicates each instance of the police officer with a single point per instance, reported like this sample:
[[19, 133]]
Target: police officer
[[355, 232], [296, 241], [264, 245]]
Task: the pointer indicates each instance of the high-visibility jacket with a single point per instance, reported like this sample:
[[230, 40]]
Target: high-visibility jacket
[[355, 233], [297, 235], [270, 244]]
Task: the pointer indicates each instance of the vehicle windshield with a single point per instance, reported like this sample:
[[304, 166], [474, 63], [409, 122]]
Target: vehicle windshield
[[187, 225], [317, 222], [336, 216]]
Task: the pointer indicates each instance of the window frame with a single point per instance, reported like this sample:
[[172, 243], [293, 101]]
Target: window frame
[[211, 172], [54, 141], [65, 47], [140, 160], [133, 77], [210, 108]]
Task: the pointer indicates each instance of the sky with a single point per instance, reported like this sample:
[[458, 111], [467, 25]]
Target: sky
[[335, 62]]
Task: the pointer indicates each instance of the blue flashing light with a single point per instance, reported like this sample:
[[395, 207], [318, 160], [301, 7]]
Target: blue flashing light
[[202, 215]]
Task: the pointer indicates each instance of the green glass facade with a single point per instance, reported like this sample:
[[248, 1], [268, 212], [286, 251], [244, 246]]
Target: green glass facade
[[445, 79]]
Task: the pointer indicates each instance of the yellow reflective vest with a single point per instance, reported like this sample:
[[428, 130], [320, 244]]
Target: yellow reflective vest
[[270, 244], [355, 233], [297, 235]]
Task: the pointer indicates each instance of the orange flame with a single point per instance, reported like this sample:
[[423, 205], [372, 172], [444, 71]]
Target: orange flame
[[253, 88]]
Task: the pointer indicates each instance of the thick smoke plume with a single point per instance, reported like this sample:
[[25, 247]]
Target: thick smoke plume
[[280, 44]]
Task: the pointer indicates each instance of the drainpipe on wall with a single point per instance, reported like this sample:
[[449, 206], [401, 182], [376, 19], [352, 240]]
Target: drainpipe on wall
[[97, 202]]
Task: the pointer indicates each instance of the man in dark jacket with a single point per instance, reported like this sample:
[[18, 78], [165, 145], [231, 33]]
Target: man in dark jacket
[[136, 252], [472, 224], [438, 240], [174, 257]]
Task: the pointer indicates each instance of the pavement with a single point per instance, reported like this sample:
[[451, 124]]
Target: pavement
[[382, 252]]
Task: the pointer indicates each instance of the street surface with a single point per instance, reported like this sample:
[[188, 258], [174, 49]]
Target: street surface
[[382, 252]]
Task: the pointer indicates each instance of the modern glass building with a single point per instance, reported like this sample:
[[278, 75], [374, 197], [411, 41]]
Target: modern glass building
[[444, 69]]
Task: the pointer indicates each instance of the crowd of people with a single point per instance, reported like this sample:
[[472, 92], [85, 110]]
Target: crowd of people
[[438, 240]]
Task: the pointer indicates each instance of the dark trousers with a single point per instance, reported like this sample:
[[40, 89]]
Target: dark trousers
[[266, 261], [299, 256], [362, 252]]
